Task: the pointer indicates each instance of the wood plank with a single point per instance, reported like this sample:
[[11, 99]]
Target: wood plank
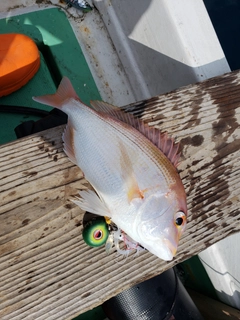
[[46, 270]]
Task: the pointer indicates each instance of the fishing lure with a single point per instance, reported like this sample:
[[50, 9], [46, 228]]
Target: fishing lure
[[118, 238], [95, 232], [99, 231]]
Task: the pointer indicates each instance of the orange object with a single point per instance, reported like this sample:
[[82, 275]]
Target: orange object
[[19, 61]]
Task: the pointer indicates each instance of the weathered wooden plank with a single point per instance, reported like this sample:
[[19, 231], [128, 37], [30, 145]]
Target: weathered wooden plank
[[46, 270]]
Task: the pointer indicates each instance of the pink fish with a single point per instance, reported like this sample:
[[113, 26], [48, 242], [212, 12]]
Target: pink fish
[[131, 166]]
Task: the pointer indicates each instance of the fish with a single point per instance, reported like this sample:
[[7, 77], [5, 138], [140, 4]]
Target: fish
[[131, 167]]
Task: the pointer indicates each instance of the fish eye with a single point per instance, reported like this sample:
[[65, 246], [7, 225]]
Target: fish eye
[[180, 218]]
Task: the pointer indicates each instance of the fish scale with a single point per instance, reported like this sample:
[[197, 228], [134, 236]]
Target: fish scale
[[89, 152]]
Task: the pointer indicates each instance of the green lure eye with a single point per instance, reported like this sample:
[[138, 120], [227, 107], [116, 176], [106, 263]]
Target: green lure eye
[[95, 232]]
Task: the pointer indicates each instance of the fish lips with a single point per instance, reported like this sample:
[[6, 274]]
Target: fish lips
[[159, 240], [163, 249], [172, 249]]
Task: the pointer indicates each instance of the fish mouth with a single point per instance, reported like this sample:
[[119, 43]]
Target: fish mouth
[[172, 248], [167, 250]]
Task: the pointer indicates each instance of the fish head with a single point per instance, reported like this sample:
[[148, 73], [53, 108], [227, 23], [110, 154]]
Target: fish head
[[161, 222]]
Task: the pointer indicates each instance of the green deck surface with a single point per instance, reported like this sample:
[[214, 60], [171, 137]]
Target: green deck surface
[[61, 56]]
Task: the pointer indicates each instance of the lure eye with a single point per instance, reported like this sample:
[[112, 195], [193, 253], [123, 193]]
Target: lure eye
[[180, 219], [95, 232], [98, 234]]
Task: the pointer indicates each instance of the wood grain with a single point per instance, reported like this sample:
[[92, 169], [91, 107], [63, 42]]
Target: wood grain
[[46, 270]]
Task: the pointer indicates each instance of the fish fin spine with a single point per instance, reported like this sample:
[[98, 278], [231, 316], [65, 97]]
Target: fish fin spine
[[68, 143], [160, 139], [89, 201]]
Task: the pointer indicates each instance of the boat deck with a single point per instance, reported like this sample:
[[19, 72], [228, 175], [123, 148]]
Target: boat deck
[[46, 269]]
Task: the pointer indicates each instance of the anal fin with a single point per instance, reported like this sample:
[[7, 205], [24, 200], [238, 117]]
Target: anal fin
[[90, 202], [68, 142]]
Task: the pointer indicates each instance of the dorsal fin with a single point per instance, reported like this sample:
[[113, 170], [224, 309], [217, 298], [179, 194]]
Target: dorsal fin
[[115, 112], [159, 139]]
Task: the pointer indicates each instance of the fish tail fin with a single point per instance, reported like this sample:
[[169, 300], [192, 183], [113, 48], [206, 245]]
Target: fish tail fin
[[65, 91]]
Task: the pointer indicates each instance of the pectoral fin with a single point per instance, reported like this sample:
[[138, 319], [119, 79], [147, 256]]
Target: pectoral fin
[[127, 171], [133, 190]]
